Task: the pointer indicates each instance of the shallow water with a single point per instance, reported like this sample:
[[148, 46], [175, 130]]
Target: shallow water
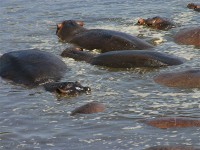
[[35, 119]]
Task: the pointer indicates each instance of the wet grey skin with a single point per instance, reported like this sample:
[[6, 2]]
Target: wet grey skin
[[32, 68], [73, 32], [125, 58], [157, 23]]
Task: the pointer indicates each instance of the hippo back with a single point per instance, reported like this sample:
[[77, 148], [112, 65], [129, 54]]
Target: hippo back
[[108, 40], [136, 58], [31, 67], [189, 36]]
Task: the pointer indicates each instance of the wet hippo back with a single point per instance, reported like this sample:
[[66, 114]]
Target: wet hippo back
[[177, 147], [108, 40], [137, 58], [172, 122], [181, 79], [31, 67], [188, 36]]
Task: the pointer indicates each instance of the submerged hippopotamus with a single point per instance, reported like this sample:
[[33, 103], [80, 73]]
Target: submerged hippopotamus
[[89, 108], [172, 122], [105, 40], [194, 6], [182, 79], [34, 67], [157, 23], [125, 58], [188, 36], [178, 147]]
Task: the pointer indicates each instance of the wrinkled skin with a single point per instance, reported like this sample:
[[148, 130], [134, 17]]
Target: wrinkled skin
[[89, 108], [188, 36], [125, 58], [34, 67], [179, 147], [183, 79], [194, 6], [157, 23], [73, 32], [172, 122]]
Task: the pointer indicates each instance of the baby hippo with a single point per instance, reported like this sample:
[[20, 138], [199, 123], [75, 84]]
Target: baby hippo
[[157, 23], [73, 32], [195, 6]]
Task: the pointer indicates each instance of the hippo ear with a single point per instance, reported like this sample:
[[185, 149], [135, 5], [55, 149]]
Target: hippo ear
[[80, 23]]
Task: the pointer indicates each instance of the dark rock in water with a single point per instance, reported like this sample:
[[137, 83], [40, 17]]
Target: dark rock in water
[[179, 147], [125, 58], [172, 122], [73, 32], [89, 108], [34, 67], [182, 79], [188, 36], [157, 23]]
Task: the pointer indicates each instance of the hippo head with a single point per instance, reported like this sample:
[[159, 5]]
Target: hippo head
[[156, 23], [196, 7], [77, 54], [67, 29], [191, 6], [67, 88]]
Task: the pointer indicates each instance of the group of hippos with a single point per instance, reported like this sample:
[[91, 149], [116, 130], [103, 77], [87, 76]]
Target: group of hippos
[[32, 68]]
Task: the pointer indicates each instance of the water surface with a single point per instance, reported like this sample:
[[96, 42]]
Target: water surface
[[35, 119]]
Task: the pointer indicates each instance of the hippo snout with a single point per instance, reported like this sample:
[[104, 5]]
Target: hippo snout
[[141, 21]]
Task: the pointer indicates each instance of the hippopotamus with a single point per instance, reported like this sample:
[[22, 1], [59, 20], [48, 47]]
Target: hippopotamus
[[125, 58], [73, 32], [188, 36], [176, 147], [194, 6], [172, 122], [157, 23], [183, 79], [31, 68], [89, 108]]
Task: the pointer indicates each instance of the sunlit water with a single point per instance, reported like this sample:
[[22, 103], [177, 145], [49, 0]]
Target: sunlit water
[[35, 119]]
